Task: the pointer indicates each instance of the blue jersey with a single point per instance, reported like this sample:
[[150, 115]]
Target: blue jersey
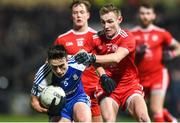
[[70, 82]]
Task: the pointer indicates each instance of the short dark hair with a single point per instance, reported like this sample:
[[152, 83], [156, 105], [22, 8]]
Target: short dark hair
[[109, 8], [56, 52], [85, 2], [147, 5]]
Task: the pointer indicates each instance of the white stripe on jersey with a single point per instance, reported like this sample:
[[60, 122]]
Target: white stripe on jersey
[[71, 59], [161, 89], [92, 30], [123, 33], [77, 33], [41, 69], [87, 31], [65, 33], [165, 80], [42, 73]]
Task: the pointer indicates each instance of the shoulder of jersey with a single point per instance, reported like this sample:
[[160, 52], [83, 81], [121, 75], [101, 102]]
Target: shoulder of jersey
[[65, 34], [153, 27], [92, 30], [71, 31], [159, 28], [124, 33], [136, 28], [42, 73]]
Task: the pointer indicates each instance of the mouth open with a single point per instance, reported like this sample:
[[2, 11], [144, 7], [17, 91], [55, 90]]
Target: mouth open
[[79, 20]]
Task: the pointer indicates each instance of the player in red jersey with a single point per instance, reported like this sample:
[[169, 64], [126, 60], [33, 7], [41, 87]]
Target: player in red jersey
[[153, 74], [115, 51], [74, 40]]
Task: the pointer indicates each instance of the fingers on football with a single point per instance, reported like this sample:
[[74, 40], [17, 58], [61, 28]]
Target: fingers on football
[[62, 102], [53, 101]]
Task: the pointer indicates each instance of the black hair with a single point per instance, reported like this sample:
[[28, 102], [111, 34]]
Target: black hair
[[56, 51], [147, 5]]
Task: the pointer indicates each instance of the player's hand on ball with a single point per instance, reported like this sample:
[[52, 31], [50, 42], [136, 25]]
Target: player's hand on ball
[[85, 58], [54, 110], [107, 83]]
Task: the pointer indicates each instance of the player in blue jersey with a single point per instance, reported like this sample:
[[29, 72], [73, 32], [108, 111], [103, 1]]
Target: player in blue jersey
[[65, 73]]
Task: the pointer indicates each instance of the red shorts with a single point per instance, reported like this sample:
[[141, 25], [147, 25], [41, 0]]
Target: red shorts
[[158, 81], [90, 81], [95, 108], [122, 92]]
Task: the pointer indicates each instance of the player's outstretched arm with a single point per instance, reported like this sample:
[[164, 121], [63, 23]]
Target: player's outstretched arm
[[85, 58], [115, 57], [35, 104]]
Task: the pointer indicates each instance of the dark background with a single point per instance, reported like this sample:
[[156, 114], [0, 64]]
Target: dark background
[[28, 27]]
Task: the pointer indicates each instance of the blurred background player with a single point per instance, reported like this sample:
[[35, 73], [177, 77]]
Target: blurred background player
[[74, 40], [66, 74], [116, 49], [153, 75]]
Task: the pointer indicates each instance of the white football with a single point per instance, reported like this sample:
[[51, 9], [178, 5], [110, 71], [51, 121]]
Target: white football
[[49, 93]]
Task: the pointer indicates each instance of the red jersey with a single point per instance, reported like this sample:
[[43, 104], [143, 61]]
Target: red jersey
[[125, 71], [155, 38], [73, 42]]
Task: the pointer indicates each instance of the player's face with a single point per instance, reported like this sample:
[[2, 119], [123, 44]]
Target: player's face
[[110, 23], [80, 15], [146, 16], [59, 66]]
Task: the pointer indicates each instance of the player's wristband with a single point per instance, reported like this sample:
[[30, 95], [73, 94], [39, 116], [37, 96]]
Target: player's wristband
[[93, 58]]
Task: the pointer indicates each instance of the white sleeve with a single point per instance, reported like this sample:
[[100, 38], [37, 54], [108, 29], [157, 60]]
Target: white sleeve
[[41, 80], [74, 64]]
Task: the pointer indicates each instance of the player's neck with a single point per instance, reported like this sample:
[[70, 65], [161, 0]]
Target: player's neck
[[146, 26], [115, 35], [80, 29]]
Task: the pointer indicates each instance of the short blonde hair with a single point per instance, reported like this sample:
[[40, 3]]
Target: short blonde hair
[[109, 8]]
